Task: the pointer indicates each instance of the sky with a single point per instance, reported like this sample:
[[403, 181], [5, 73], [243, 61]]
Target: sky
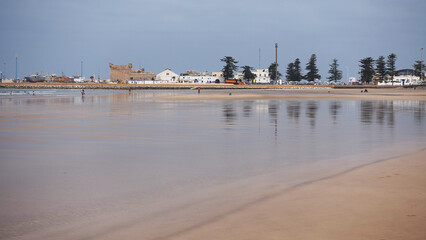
[[55, 36]]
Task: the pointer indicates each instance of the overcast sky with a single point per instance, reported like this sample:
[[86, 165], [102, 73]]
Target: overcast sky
[[54, 36]]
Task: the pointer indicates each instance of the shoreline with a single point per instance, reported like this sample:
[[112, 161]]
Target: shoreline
[[169, 86], [232, 92], [381, 200]]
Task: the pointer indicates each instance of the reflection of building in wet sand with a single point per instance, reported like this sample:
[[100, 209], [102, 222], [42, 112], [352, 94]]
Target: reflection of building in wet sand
[[418, 108]]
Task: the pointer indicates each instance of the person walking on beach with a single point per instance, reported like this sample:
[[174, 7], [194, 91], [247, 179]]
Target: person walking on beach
[[199, 90], [82, 92]]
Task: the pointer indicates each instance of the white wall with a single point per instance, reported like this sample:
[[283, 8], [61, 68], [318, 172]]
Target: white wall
[[399, 80], [168, 76], [200, 79]]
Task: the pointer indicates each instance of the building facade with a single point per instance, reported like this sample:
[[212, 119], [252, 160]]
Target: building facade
[[124, 73], [262, 76], [402, 77], [167, 76]]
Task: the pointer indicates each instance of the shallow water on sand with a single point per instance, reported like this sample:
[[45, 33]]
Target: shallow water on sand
[[64, 158]]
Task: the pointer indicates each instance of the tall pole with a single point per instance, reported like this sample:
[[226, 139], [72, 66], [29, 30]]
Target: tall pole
[[276, 63], [421, 64], [16, 68]]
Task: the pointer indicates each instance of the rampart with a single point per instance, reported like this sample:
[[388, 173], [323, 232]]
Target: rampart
[[123, 73]]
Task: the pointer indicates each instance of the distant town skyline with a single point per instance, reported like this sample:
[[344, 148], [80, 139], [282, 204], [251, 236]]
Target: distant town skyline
[[55, 36]]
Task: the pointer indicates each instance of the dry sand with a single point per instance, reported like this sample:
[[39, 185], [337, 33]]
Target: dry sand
[[381, 201], [372, 94]]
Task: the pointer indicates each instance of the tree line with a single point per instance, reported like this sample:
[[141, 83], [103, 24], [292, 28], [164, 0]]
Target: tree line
[[380, 70]]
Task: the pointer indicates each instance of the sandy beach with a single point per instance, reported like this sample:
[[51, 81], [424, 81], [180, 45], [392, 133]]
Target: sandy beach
[[384, 200], [154, 186]]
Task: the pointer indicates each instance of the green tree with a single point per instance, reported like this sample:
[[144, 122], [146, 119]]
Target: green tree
[[418, 68], [381, 68], [290, 73], [335, 73], [367, 69], [390, 65], [273, 70], [230, 67], [248, 75], [312, 69], [297, 71]]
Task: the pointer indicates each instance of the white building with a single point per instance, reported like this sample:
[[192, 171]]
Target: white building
[[200, 79], [79, 79], [262, 76], [353, 81], [402, 77], [167, 76]]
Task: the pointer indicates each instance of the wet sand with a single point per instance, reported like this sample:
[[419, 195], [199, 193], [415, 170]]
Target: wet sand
[[384, 200], [329, 93]]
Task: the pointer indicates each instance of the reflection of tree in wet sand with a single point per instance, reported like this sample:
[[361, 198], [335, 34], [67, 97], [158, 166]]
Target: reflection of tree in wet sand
[[384, 110], [293, 110], [334, 109], [366, 111], [247, 108], [311, 112], [229, 113]]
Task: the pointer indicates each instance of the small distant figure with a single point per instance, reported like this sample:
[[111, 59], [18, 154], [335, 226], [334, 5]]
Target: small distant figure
[[365, 90], [199, 90], [82, 92], [230, 94], [33, 93], [130, 90]]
